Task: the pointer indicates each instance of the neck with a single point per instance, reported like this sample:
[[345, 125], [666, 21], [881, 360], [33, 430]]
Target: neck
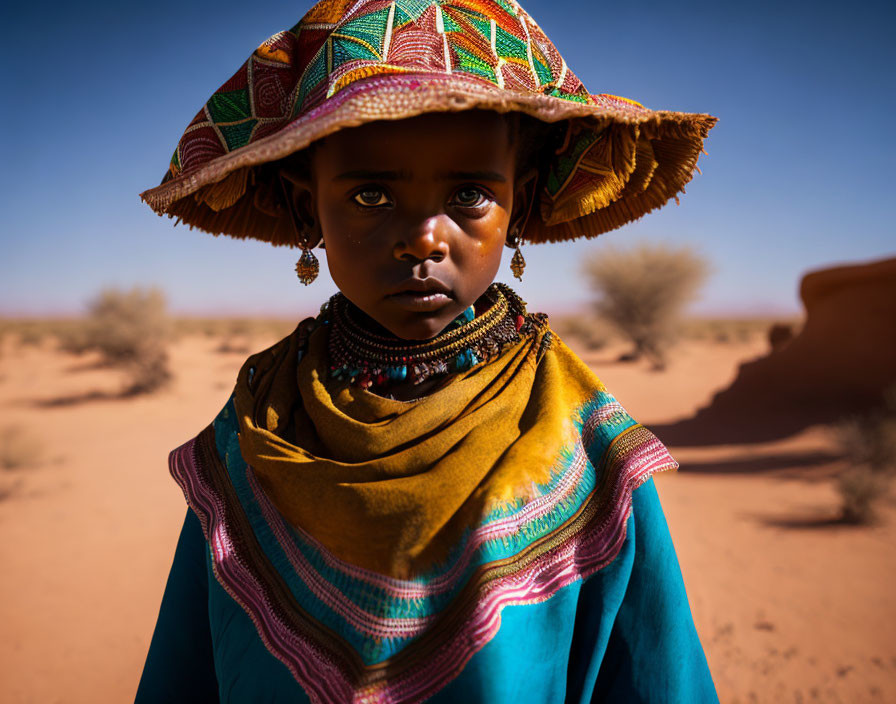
[[371, 326], [363, 354]]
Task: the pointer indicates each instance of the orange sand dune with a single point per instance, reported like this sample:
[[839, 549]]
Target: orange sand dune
[[789, 607]]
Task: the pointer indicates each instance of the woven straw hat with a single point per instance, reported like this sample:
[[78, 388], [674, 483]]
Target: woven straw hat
[[349, 62]]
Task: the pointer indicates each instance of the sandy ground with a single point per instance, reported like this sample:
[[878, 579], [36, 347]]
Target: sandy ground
[[789, 605]]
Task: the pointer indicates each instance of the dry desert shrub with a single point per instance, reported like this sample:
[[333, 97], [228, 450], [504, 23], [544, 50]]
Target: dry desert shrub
[[187, 326], [228, 328], [74, 338], [734, 329], [643, 291], [18, 449], [277, 327], [779, 334], [32, 336], [131, 330], [34, 332], [236, 339], [211, 328], [860, 490], [870, 445]]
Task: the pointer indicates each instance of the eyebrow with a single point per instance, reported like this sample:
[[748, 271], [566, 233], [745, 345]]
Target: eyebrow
[[371, 175], [472, 176]]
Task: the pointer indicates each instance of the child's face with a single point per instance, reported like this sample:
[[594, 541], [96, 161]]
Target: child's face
[[414, 214]]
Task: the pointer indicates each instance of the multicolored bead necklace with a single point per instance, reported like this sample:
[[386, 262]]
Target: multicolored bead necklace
[[371, 360]]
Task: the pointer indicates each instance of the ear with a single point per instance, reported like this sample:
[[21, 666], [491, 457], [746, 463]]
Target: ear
[[298, 192], [523, 198]]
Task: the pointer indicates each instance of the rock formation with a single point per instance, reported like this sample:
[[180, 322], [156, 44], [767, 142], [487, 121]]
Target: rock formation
[[839, 364]]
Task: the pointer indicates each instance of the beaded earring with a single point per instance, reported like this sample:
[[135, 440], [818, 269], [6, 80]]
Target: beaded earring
[[307, 267], [517, 263]]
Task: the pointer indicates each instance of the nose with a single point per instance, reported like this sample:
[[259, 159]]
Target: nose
[[428, 240]]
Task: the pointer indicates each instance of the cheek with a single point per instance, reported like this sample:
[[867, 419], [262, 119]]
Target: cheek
[[333, 225], [341, 249], [489, 243], [489, 252], [342, 239]]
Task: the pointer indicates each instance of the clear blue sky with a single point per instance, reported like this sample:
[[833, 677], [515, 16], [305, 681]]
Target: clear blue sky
[[96, 96]]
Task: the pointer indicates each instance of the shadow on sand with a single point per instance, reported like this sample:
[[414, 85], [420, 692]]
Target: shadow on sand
[[772, 463], [82, 398], [88, 366], [823, 521], [729, 420]]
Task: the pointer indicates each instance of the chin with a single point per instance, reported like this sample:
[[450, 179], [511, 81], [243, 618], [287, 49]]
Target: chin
[[422, 330], [417, 326]]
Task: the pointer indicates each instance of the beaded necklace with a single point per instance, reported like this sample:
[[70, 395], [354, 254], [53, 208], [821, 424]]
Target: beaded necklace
[[370, 360]]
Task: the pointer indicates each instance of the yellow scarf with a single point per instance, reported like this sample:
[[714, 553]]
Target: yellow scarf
[[389, 485]]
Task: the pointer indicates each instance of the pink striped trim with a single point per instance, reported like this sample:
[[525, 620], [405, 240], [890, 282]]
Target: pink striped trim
[[578, 558], [409, 589], [319, 676], [318, 672], [600, 415], [360, 619]]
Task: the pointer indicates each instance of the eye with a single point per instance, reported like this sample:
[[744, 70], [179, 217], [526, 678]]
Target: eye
[[371, 198], [470, 197]]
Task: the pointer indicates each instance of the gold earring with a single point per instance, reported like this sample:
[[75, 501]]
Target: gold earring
[[307, 268], [517, 263]]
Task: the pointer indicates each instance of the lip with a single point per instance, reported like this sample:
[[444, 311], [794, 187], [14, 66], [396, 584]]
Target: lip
[[421, 295], [429, 285]]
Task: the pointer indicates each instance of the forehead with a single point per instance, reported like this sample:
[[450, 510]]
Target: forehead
[[470, 139]]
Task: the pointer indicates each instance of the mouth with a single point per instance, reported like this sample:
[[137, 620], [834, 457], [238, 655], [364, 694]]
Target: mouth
[[421, 295]]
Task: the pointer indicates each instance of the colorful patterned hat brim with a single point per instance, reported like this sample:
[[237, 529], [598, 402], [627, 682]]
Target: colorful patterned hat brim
[[349, 62]]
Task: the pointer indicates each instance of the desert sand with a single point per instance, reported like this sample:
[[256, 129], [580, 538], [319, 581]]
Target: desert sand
[[790, 605]]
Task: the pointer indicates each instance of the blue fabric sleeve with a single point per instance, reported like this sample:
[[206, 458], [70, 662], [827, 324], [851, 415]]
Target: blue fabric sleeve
[[180, 665], [653, 653]]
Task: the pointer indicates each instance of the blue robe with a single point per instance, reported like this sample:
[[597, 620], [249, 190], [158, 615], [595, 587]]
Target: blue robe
[[624, 634]]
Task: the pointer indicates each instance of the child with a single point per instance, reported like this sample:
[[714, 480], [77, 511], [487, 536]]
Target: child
[[422, 494]]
